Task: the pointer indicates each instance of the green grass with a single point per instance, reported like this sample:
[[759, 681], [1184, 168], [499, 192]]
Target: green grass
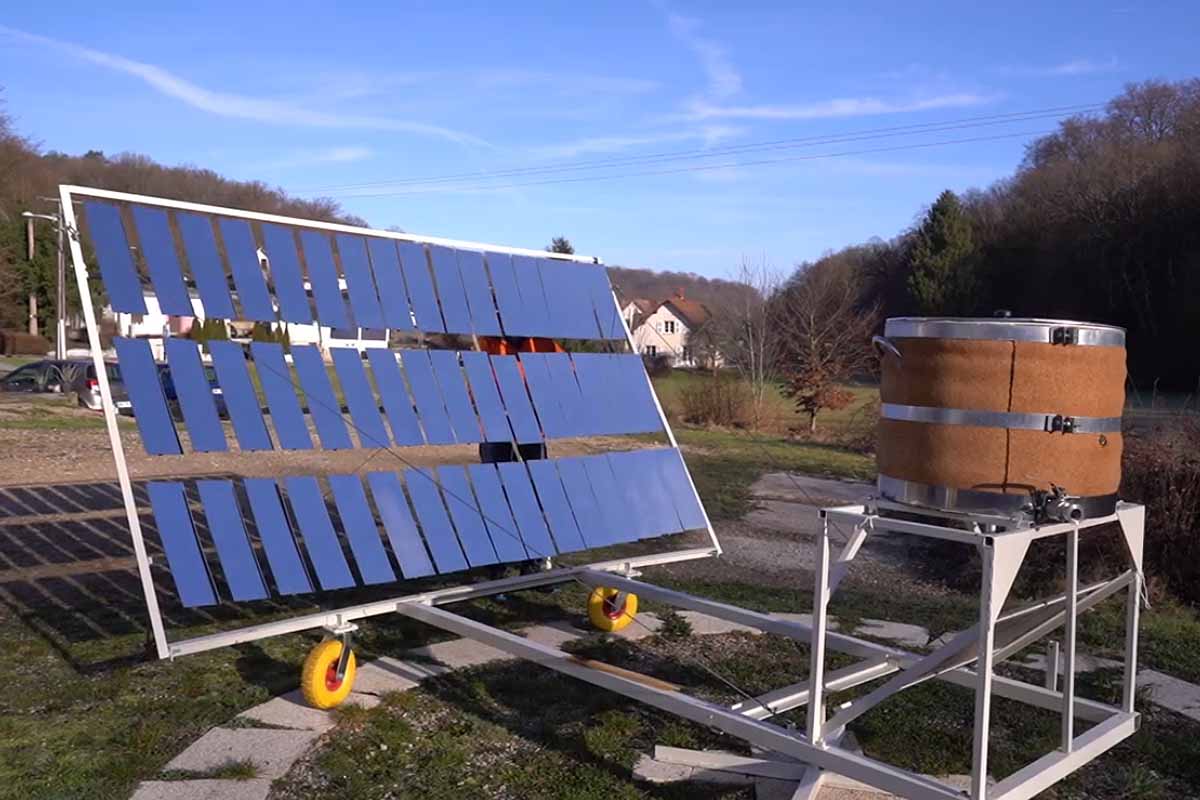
[[56, 415], [725, 464]]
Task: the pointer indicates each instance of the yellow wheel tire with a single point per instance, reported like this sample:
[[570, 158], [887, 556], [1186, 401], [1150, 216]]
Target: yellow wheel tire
[[318, 679], [605, 614]]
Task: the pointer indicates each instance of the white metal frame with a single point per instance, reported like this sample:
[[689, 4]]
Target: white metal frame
[[337, 617], [967, 659]]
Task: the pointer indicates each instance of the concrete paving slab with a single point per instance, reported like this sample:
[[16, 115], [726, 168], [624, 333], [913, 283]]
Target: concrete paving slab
[[290, 711], [362, 700], [705, 625], [899, 632], [384, 674], [203, 790], [272, 751], [555, 634], [1171, 693], [811, 490]]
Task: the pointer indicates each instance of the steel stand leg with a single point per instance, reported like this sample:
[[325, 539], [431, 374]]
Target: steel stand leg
[[816, 673], [1069, 646], [1133, 606], [983, 685]]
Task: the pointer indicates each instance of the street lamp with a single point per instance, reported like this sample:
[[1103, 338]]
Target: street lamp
[[60, 337]]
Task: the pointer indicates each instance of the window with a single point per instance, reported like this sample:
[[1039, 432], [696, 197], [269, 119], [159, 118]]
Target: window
[[687, 355], [650, 350], [669, 326]]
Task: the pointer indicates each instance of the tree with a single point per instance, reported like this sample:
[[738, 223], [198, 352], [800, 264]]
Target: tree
[[561, 244], [742, 332], [826, 334], [942, 278]]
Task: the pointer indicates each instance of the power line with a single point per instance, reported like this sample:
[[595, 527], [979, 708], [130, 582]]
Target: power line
[[859, 135], [703, 167]]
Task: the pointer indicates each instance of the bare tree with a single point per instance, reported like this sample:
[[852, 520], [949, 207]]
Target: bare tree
[[826, 334], [742, 332]]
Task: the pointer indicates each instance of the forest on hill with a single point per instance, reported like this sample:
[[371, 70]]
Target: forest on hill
[[1100, 222]]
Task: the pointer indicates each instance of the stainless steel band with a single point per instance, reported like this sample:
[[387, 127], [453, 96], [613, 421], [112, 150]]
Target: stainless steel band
[[1048, 331], [951, 499], [1056, 423]]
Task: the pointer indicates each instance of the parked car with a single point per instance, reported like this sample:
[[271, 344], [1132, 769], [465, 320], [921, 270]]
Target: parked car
[[168, 384], [81, 379], [73, 375]]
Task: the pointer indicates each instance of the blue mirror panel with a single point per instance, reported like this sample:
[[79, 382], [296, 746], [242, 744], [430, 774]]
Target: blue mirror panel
[[533, 297], [454, 392], [487, 397], [359, 283], [630, 496], [514, 319], [450, 289], [364, 408], [242, 253], [279, 243], [545, 400], [399, 524], [420, 288], [224, 518], [629, 375], [435, 524], [660, 509], [525, 509], [496, 514], [385, 263], [322, 404], [600, 291], [312, 517], [322, 275], [479, 293], [158, 249], [116, 262], [674, 474], [598, 398], [609, 498], [576, 419], [358, 522], [394, 394], [578, 486], [200, 247], [144, 386], [282, 402], [576, 284], [178, 535], [516, 399], [241, 401], [194, 394], [553, 499], [431, 411], [464, 511], [561, 307], [287, 568]]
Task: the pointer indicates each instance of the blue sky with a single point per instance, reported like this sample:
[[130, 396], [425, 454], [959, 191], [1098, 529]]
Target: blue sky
[[322, 102]]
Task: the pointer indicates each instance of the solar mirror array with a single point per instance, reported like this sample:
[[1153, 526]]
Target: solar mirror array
[[245, 539]]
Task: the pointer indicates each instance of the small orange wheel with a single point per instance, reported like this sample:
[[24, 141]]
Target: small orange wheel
[[611, 610], [319, 681]]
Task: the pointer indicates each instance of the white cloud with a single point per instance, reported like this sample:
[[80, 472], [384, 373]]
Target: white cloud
[[563, 83], [723, 78], [328, 155], [830, 109], [237, 106], [1075, 67], [708, 135]]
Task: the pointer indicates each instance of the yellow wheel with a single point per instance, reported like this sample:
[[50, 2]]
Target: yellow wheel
[[610, 610], [319, 681]]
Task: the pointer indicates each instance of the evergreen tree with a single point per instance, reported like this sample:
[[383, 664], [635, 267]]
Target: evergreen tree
[[943, 260], [561, 244]]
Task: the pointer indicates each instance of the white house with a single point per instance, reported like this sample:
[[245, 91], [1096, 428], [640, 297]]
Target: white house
[[666, 328]]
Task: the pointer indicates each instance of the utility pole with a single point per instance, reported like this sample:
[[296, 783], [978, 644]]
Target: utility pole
[[60, 296]]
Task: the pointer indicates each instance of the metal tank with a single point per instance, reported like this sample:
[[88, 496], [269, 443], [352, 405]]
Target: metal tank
[[1001, 415]]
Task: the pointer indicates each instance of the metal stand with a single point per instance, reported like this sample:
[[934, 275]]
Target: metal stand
[[967, 659]]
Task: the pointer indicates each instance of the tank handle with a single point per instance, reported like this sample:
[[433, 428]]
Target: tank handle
[[881, 344]]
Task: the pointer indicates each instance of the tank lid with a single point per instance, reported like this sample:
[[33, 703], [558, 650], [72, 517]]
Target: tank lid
[[1012, 329]]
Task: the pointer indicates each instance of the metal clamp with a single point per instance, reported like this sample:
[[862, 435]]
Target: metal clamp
[[1060, 424], [1064, 336], [881, 344]]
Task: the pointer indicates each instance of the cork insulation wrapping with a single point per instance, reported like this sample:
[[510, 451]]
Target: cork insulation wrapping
[[986, 375]]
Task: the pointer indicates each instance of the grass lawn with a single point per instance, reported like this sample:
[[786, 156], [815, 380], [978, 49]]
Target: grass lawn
[[87, 715]]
